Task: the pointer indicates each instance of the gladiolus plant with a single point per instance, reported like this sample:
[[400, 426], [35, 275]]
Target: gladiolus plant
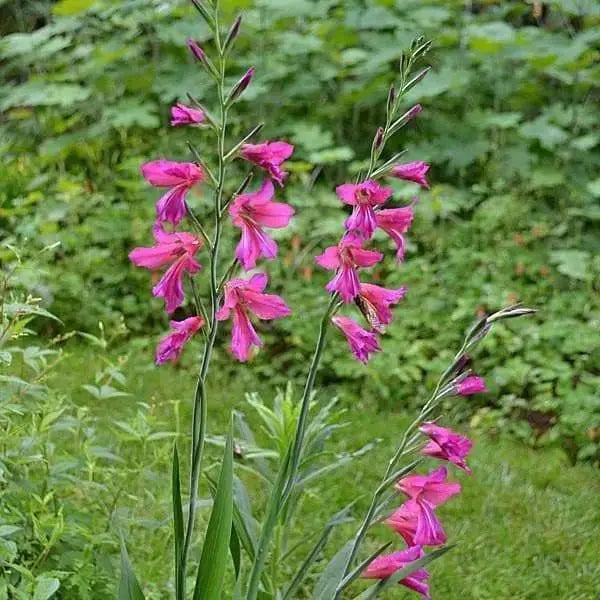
[[357, 310]]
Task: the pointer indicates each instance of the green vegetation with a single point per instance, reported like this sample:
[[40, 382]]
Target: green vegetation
[[526, 525], [510, 126]]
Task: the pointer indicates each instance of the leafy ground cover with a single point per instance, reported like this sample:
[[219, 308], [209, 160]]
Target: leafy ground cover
[[525, 526]]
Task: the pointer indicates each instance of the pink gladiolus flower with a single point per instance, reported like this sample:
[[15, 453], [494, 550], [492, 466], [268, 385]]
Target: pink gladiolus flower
[[346, 258], [186, 115], [374, 302], [386, 565], [243, 296], [471, 385], [251, 212], [364, 197], [445, 444], [176, 248], [171, 346], [417, 523], [412, 171], [363, 343], [431, 488], [269, 156], [180, 178], [395, 222]]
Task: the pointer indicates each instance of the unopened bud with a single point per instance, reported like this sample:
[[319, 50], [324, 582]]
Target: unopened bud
[[460, 364], [409, 115], [391, 99], [416, 79], [198, 53], [413, 112], [510, 312], [233, 33], [378, 139], [240, 86], [201, 57]]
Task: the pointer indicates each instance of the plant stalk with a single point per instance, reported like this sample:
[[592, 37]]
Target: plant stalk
[[200, 400], [289, 465]]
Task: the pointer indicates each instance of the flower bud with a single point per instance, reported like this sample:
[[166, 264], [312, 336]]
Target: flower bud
[[511, 312], [409, 115], [391, 99], [240, 86], [201, 57], [416, 79], [233, 33], [378, 139], [461, 363], [198, 53]]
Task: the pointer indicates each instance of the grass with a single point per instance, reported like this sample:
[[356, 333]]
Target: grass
[[525, 527]]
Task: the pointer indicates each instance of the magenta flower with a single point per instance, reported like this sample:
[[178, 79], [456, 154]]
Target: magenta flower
[[180, 178], [171, 346], [176, 248], [243, 296], [412, 171], [471, 385], [252, 212], [445, 444], [186, 115], [431, 488], [375, 301], [395, 222], [363, 343], [269, 156], [364, 197], [418, 524], [346, 258], [386, 565]]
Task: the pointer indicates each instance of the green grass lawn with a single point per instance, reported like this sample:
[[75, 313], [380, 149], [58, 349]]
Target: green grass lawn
[[526, 526]]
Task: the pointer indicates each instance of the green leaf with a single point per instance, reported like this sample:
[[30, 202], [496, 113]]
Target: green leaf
[[129, 113], [546, 133], [65, 8], [129, 587], [218, 534], [572, 263], [45, 587], [6, 530], [41, 93], [593, 188], [177, 526], [333, 574]]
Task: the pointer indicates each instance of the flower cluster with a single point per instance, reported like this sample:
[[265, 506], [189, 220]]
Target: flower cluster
[[416, 520], [252, 213], [368, 199]]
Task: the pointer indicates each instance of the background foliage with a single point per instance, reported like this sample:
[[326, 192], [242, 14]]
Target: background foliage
[[510, 126]]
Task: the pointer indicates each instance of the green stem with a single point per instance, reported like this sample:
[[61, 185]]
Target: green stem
[[305, 403], [200, 401], [289, 465]]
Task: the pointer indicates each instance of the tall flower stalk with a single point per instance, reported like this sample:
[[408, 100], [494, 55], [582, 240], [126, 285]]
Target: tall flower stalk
[[243, 299]]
